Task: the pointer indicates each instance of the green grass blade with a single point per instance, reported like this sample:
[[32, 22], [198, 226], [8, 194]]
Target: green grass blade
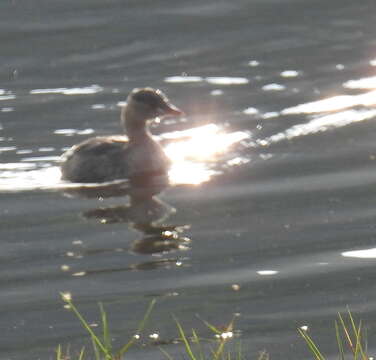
[[212, 327], [87, 327], [352, 322], [82, 353], [365, 340], [105, 329], [357, 330], [217, 331], [142, 324], [96, 350], [198, 342], [59, 353], [140, 328], [219, 351], [126, 347], [359, 347], [346, 332], [339, 342], [314, 349], [185, 341], [357, 342], [239, 351]]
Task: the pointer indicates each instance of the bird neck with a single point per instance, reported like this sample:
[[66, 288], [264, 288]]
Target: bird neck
[[135, 126]]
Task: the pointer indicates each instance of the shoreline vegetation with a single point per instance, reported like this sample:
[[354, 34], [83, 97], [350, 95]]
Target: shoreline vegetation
[[350, 337]]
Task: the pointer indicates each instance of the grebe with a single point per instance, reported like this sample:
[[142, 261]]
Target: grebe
[[137, 155]]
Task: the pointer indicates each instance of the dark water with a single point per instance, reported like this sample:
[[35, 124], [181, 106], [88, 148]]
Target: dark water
[[278, 197]]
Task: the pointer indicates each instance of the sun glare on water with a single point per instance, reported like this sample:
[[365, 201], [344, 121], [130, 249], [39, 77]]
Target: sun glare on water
[[194, 154], [192, 151]]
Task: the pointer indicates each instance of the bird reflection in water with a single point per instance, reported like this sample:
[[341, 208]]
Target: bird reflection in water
[[144, 213]]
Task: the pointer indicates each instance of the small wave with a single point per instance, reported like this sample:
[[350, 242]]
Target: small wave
[[365, 83], [334, 103], [289, 73], [226, 80], [71, 132], [183, 79], [361, 254], [273, 87], [92, 89], [7, 97], [320, 124], [216, 80]]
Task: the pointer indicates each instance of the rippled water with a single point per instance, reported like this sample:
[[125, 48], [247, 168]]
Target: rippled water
[[270, 212]]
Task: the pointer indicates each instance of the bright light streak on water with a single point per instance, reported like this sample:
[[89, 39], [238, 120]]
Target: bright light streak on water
[[253, 63], [98, 106], [361, 254], [16, 166], [217, 80], [71, 132], [333, 104], [7, 148], [225, 80], [365, 83], [267, 272], [92, 89], [193, 150], [289, 73], [186, 172], [183, 79], [202, 143], [319, 124], [270, 115], [7, 97], [25, 176], [250, 111], [273, 87], [41, 158]]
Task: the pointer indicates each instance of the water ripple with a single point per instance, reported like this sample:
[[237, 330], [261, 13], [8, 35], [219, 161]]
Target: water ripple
[[197, 154], [92, 89], [320, 124], [333, 104]]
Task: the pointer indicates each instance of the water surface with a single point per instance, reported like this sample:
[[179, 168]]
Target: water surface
[[270, 212]]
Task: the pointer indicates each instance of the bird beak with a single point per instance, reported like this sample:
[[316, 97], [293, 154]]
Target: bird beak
[[170, 110]]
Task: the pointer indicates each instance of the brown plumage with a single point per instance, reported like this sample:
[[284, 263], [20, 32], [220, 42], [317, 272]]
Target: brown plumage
[[107, 158]]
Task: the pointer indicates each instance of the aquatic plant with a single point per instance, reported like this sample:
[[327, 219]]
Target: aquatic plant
[[102, 344], [351, 339], [194, 347]]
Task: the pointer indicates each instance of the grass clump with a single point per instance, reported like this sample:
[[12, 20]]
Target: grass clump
[[102, 344], [350, 336], [195, 347]]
